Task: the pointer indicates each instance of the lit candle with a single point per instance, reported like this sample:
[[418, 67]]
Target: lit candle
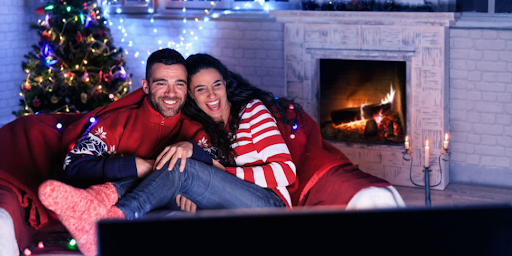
[[407, 143], [427, 154], [446, 142]]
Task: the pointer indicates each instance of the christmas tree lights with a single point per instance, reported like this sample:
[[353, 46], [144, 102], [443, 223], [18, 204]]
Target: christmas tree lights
[[75, 66]]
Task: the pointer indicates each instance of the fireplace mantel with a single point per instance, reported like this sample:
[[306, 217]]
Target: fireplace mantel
[[420, 39]]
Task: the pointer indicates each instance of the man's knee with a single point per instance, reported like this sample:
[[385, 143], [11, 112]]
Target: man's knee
[[375, 198]]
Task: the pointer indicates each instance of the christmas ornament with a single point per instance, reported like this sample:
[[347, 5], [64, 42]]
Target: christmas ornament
[[83, 97], [54, 99], [78, 37], [36, 102]]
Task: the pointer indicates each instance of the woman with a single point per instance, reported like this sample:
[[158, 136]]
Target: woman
[[243, 133]]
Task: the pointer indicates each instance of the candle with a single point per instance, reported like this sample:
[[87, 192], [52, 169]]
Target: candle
[[407, 143], [446, 142], [427, 154]]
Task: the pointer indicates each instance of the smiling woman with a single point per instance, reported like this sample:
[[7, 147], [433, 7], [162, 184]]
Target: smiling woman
[[211, 96]]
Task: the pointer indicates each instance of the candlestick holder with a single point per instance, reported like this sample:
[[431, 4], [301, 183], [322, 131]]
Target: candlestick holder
[[427, 172], [407, 152]]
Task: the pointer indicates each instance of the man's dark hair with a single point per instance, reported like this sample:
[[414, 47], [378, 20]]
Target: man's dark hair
[[165, 56]]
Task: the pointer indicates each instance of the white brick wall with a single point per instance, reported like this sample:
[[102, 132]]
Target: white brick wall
[[253, 49], [481, 106], [15, 41]]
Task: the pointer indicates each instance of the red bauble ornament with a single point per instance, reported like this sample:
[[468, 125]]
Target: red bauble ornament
[[36, 102], [78, 37], [45, 36]]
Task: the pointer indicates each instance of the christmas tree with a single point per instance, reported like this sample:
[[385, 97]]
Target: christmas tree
[[75, 66]]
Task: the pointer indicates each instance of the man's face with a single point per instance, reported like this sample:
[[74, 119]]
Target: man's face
[[167, 88]]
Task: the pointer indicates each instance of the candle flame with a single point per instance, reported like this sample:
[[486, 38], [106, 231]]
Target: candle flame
[[426, 145], [406, 138], [446, 136]]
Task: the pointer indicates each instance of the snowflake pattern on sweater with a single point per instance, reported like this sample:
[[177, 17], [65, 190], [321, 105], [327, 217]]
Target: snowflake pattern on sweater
[[92, 145]]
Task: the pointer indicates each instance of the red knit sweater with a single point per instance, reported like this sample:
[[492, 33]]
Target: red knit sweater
[[118, 136]]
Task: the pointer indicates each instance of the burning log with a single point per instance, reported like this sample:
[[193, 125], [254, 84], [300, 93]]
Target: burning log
[[345, 115], [348, 115]]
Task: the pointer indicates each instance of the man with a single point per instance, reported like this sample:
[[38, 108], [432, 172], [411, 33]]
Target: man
[[125, 142]]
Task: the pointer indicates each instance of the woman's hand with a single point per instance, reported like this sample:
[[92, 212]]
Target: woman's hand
[[144, 167], [218, 165], [185, 204], [181, 150]]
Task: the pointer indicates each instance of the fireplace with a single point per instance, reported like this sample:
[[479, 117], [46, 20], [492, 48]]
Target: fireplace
[[418, 41], [363, 101]]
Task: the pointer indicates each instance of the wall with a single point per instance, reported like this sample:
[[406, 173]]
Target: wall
[[481, 106], [252, 48], [15, 41]]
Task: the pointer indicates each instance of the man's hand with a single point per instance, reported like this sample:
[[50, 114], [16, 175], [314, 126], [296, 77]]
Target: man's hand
[[181, 150], [144, 167], [185, 204]]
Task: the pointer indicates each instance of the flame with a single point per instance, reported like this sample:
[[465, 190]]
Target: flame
[[446, 136], [378, 118], [390, 96], [407, 138], [426, 143]]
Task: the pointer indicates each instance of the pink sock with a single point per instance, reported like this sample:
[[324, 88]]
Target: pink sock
[[84, 231], [65, 199]]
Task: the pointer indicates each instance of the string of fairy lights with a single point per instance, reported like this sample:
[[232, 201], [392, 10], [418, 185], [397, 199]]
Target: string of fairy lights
[[183, 43]]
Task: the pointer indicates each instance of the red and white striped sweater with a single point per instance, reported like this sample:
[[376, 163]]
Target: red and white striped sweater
[[262, 155]]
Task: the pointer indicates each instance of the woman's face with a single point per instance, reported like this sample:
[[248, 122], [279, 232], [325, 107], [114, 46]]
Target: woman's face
[[208, 89]]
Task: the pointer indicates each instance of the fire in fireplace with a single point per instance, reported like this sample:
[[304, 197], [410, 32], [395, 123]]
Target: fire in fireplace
[[363, 101]]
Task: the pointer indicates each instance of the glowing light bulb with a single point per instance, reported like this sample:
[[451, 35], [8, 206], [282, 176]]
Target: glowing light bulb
[[72, 242], [41, 245], [92, 120]]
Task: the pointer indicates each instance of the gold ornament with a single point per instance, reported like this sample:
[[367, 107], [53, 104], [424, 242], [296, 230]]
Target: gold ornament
[[54, 99], [83, 97]]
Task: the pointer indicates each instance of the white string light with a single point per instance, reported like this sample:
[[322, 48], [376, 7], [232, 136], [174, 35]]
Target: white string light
[[187, 41]]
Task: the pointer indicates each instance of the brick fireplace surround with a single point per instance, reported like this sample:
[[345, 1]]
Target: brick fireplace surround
[[419, 39]]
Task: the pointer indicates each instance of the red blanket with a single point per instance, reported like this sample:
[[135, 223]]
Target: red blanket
[[314, 157], [32, 150]]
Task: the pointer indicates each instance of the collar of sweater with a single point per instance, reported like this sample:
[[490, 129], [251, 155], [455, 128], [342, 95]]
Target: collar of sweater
[[151, 115]]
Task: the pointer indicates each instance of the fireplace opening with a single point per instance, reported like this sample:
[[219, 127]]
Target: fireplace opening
[[363, 101]]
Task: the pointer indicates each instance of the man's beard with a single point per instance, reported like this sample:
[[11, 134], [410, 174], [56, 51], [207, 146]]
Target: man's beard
[[163, 111]]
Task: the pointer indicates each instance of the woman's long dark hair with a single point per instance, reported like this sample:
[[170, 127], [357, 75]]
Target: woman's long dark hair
[[239, 93]]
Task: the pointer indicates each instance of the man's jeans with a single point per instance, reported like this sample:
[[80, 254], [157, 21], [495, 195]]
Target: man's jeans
[[205, 185]]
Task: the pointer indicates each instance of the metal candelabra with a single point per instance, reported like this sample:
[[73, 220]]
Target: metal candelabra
[[427, 172]]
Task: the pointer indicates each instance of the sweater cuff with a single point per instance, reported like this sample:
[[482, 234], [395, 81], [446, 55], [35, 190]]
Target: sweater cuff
[[199, 154], [125, 167]]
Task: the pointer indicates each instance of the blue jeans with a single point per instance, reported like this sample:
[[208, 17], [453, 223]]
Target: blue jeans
[[205, 185]]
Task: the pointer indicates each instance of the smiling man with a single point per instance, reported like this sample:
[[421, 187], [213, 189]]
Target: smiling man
[[125, 142]]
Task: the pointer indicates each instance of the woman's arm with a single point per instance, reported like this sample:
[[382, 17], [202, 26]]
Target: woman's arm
[[262, 153]]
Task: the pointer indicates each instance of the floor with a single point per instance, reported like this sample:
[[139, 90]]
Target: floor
[[456, 195]]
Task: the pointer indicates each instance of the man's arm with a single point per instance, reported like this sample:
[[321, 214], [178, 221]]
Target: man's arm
[[91, 159]]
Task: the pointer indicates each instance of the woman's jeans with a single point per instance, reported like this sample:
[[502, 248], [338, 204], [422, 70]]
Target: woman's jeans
[[208, 187]]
